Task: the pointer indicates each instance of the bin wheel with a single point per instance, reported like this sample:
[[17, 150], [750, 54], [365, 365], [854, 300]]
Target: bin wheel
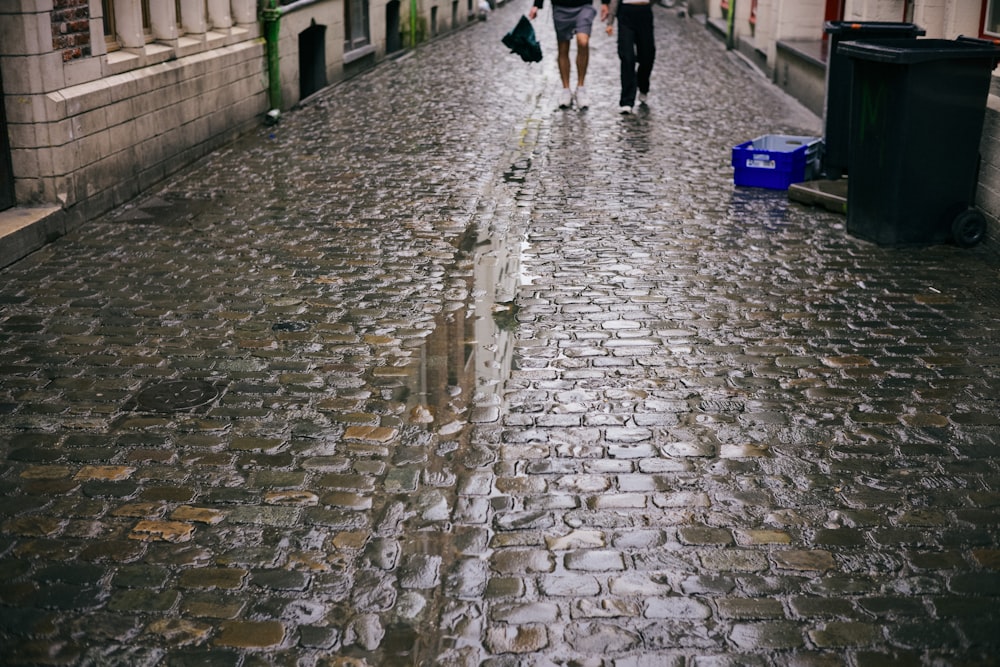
[[968, 228], [832, 173]]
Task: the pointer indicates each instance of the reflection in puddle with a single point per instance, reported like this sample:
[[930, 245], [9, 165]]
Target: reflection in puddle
[[758, 208], [465, 362]]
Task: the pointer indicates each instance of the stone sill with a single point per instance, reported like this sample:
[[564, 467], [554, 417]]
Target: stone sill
[[813, 51], [358, 54]]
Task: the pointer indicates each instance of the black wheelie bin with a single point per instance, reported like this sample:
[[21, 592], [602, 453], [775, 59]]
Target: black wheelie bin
[[917, 111], [837, 104]]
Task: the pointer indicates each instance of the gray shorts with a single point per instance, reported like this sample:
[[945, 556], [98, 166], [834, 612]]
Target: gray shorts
[[571, 20]]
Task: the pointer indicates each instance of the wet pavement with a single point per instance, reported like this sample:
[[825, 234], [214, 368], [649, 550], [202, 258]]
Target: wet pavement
[[433, 373]]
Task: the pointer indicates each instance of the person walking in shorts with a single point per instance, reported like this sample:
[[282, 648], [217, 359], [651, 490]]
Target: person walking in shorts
[[571, 18], [636, 47]]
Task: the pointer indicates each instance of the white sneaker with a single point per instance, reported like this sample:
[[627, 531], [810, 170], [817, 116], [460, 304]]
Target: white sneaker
[[581, 99], [624, 110], [565, 99], [642, 98]]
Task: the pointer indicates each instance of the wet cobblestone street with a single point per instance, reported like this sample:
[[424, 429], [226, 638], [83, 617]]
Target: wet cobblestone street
[[433, 373]]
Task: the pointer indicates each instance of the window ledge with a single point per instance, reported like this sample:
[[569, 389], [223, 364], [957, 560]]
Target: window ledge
[[121, 61], [124, 60], [158, 53], [215, 40], [815, 51], [358, 54]]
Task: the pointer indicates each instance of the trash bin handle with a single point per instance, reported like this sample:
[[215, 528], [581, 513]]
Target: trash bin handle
[[983, 41]]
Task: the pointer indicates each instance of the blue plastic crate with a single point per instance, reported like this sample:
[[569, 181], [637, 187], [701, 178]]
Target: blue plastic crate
[[776, 161]]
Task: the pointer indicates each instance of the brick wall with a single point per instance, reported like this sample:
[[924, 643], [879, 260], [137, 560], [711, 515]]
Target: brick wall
[[71, 28]]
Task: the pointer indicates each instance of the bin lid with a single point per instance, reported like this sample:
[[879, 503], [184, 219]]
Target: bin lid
[[911, 51], [850, 29]]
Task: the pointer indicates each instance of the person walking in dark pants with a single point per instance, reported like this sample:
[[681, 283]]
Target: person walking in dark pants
[[636, 47]]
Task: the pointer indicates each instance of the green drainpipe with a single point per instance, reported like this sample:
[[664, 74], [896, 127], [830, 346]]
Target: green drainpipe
[[413, 24], [730, 33], [271, 16]]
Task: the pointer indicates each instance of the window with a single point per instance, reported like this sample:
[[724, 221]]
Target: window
[[355, 24], [991, 18], [110, 34], [147, 24], [146, 32], [127, 24]]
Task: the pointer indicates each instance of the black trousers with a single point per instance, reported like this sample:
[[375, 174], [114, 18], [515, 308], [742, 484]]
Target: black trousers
[[636, 49]]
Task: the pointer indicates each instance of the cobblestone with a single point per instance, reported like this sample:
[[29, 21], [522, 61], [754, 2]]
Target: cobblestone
[[434, 373]]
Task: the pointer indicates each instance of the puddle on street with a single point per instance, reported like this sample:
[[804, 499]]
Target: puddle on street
[[457, 381], [465, 362], [760, 208]]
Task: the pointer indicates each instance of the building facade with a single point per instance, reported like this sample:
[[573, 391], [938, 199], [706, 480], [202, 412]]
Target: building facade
[[786, 40], [101, 99]]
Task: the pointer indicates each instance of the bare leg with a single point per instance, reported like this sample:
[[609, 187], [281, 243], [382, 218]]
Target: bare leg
[[564, 63], [582, 58]]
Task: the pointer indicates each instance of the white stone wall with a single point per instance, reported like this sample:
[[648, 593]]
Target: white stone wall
[[92, 124], [800, 19], [945, 18], [766, 32], [329, 14], [90, 131], [112, 138], [876, 10], [435, 17]]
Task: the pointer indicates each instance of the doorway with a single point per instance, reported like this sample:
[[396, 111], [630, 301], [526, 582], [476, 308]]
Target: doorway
[[312, 60], [393, 41]]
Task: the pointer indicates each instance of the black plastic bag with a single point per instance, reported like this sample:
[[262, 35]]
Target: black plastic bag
[[522, 41]]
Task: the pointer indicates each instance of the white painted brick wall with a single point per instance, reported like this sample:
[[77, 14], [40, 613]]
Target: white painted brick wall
[[801, 20]]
